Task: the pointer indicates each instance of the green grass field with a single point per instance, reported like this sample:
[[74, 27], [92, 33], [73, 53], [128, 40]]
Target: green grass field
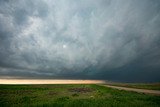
[[149, 86], [72, 96]]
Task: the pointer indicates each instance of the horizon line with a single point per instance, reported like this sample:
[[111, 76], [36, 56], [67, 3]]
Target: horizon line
[[49, 81]]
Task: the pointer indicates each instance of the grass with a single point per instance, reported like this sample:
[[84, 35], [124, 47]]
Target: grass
[[79, 95], [153, 86]]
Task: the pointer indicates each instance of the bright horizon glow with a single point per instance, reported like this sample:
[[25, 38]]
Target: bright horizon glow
[[47, 81]]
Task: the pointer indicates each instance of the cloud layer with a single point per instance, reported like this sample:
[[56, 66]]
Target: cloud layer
[[95, 39]]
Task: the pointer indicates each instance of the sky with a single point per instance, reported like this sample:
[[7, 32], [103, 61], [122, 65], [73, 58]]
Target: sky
[[116, 40]]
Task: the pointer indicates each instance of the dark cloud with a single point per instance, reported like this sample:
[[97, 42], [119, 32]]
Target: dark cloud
[[86, 39]]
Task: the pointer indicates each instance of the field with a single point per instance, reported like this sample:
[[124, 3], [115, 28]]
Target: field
[[80, 95], [149, 86]]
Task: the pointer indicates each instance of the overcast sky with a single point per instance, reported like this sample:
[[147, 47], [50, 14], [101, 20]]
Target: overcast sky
[[116, 40]]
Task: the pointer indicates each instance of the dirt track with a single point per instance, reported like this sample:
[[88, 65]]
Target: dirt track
[[153, 92]]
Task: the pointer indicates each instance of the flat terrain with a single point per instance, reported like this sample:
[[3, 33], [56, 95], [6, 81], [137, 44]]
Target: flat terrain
[[146, 91], [80, 95], [149, 86]]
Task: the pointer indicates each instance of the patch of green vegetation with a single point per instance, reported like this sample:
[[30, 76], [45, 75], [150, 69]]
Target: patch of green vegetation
[[154, 86], [79, 95], [62, 99], [75, 95]]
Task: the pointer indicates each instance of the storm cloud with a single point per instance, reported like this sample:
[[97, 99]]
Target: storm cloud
[[80, 39]]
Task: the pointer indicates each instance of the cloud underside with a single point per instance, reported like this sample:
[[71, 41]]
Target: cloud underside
[[84, 39]]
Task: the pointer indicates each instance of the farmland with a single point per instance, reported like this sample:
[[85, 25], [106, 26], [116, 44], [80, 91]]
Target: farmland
[[149, 86], [72, 95]]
